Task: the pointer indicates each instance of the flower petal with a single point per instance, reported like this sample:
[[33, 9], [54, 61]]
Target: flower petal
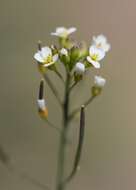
[[99, 81], [48, 64], [46, 51], [55, 58], [94, 63], [100, 53], [100, 41], [79, 68], [54, 34], [64, 51], [38, 57], [71, 30], [106, 47]]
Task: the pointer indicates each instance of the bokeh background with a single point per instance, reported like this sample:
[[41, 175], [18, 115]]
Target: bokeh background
[[109, 155]]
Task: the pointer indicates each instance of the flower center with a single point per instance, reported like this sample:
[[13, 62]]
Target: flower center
[[48, 59], [64, 34], [95, 57]]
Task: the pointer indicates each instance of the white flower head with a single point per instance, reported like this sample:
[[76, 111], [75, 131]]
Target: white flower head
[[95, 55], [41, 104], [45, 56], [63, 32], [99, 81], [100, 41], [79, 68], [64, 51]]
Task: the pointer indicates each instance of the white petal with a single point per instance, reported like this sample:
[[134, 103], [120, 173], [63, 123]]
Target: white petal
[[106, 47], [63, 32], [71, 30], [38, 57], [64, 51], [55, 58], [92, 50], [101, 54], [101, 42], [99, 81], [48, 64], [54, 34], [94, 63], [99, 39], [60, 30], [46, 51], [41, 104], [79, 68]]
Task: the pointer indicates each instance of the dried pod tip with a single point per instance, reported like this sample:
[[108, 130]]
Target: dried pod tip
[[39, 45], [41, 90]]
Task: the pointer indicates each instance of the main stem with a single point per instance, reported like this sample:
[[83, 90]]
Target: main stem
[[63, 138]]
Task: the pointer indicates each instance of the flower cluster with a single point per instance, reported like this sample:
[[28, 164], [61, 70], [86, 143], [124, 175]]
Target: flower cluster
[[76, 57]]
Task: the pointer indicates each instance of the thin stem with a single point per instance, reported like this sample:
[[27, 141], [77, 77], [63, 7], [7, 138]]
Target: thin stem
[[5, 159], [55, 92], [79, 148], [73, 85], [25, 176], [59, 75], [74, 112], [63, 141]]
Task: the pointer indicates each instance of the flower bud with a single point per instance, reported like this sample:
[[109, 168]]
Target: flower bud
[[75, 53], [99, 83], [83, 50], [79, 68], [64, 56], [64, 51]]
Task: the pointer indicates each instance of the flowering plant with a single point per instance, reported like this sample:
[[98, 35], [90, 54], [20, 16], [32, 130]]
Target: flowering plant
[[77, 59]]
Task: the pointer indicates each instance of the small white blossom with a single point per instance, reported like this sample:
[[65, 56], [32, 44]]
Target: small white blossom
[[95, 55], [63, 32], [79, 68], [45, 56], [64, 51], [99, 81], [100, 41]]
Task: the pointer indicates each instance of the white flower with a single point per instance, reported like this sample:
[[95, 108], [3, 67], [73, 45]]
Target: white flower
[[63, 32], [95, 55], [45, 56], [100, 41], [64, 51], [79, 68], [99, 81]]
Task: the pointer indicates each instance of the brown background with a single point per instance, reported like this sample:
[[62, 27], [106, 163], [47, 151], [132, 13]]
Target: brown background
[[109, 156]]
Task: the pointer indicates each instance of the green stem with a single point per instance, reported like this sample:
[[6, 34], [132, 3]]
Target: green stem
[[79, 148], [63, 138], [54, 90]]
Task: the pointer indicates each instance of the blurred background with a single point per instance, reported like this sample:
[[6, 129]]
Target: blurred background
[[109, 155]]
